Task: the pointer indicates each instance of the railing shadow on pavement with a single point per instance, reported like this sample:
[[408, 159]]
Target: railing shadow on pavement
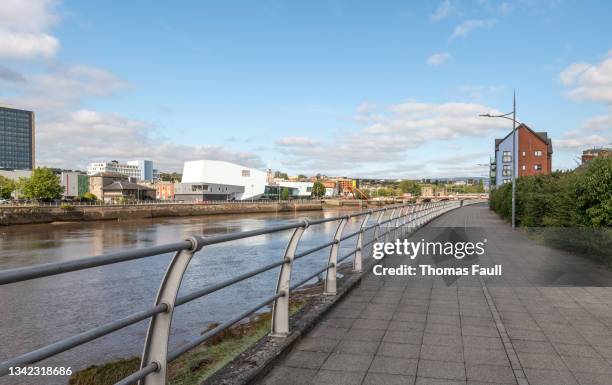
[[396, 222]]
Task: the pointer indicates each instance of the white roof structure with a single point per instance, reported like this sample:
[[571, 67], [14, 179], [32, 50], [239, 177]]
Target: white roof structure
[[220, 172]]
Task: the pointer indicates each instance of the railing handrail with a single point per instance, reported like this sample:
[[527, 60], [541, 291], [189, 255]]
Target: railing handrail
[[155, 357]]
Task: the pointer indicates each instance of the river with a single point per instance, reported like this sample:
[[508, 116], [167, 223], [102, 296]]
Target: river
[[41, 311]]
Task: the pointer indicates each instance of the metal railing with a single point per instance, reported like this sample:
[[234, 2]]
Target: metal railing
[[401, 220]]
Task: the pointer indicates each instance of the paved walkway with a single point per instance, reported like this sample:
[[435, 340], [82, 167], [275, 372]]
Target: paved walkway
[[547, 320]]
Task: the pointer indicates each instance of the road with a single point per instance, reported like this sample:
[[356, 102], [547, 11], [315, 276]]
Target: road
[[547, 320]]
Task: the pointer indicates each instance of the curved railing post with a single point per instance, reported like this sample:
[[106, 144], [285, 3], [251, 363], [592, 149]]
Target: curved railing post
[[280, 308], [396, 223], [358, 259], [424, 213], [406, 221], [330, 278], [156, 343], [381, 214], [389, 224]]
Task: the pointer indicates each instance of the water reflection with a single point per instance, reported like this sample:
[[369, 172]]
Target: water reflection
[[45, 310]]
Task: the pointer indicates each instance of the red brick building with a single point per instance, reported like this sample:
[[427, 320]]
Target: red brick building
[[590, 154], [533, 155], [165, 190], [534, 152]]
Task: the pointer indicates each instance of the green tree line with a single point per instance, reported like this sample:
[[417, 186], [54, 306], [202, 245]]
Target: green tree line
[[570, 209]]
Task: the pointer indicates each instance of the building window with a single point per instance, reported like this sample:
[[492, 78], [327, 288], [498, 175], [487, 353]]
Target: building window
[[537, 153], [506, 181], [246, 173], [524, 167], [524, 154], [507, 170], [507, 157], [537, 167]]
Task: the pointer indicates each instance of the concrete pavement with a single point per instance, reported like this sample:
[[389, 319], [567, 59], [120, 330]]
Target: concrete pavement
[[546, 321]]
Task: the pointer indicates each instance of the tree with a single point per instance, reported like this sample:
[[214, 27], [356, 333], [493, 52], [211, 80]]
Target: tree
[[594, 192], [89, 197], [410, 186], [281, 175], [7, 187], [318, 190], [170, 177], [42, 185], [302, 176], [284, 195]]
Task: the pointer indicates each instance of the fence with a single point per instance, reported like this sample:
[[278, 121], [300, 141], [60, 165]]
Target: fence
[[396, 220]]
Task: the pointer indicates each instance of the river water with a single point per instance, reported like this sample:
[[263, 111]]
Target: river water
[[38, 312]]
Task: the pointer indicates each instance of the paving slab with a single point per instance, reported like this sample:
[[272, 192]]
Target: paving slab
[[537, 324]]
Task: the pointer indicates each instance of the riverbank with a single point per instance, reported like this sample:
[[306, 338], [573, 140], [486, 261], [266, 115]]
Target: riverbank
[[28, 215]]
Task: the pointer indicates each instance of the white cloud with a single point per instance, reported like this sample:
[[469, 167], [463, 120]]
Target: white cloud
[[580, 142], [387, 136], [465, 28], [9, 75], [89, 136], [593, 82], [438, 59], [599, 123], [444, 10], [505, 8], [589, 81], [365, 108], [296, 141], [67, 133], [66, 87], [594, 132], [24, 28], [480, 92]]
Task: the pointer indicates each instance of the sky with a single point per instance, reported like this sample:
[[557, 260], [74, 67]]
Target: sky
[[380, 89]]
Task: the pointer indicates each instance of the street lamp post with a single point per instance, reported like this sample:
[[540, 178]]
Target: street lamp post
[[514, 152]]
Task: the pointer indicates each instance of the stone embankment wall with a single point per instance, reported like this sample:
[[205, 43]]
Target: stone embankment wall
[[34, 214]]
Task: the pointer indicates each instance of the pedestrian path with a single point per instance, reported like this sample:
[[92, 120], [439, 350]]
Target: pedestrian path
[[546, 321]]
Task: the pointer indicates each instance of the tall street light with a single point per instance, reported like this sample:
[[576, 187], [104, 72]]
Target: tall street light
[[514, 152]]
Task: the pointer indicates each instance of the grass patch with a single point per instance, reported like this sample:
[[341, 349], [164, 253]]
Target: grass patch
[[199, 363]]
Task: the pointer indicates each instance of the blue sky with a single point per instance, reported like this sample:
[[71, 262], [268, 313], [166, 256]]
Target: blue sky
[[356, 88]]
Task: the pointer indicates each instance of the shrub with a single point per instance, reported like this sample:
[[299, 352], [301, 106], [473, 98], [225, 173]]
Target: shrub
[[574, 206], [67, 206]]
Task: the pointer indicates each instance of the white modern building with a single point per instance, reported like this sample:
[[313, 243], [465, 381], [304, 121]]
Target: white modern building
[[132, 171], [241, 182], [146, 169], [302, 189], [141, 170]]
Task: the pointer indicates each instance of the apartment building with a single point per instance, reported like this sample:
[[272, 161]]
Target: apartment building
[[532, 152], [592, 153]]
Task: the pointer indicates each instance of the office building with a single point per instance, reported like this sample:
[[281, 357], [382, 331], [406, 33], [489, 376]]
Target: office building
[[75, 183], [17, 132], [532, 152], [114, 167], [147, 173]]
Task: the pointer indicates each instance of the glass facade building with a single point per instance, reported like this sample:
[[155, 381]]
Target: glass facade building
[[16, 139]]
